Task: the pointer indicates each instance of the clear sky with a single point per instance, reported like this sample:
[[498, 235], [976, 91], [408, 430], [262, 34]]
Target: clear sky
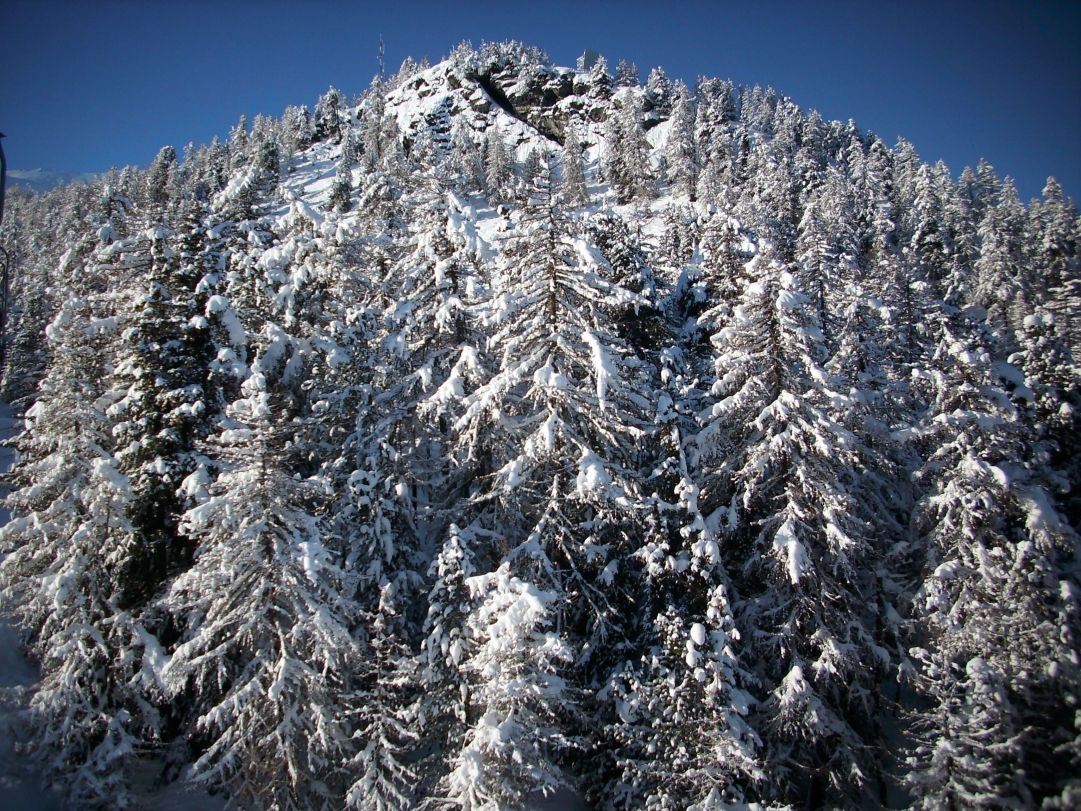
[[94, 83]]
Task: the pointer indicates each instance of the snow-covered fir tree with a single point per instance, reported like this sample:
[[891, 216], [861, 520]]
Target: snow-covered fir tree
[[996, 600], [511, 755], [267, 654], [68, 550], [781, 475]]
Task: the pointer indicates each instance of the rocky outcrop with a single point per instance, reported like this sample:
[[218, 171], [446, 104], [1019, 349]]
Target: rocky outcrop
[[545, 98]]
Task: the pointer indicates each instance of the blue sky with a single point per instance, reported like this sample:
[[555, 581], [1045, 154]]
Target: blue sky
[[90, 84]]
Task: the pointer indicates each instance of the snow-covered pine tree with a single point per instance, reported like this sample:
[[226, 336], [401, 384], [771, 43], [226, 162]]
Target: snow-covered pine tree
[[498, 170], [627, 153], [442, 711], [770, 203], [37, 231], [527, 174], [994, 608], [384, 702], [1057, 256], [1054, 411], [680, 160], [89, 718], [678, 241], [970, 739], [341, 192], [555, 422], [161, 369], [600, 82], [297, 129], [466, 159], [514, 752], [25, 357], [983, 187], [826, 252], [780, 474], [328, 116], [68, 542], [626, 74], [722, 268], [679, 739], [676, 734], [559, 414], [160, 181], [658, 94], [927, 243], [639, 321], [267, 653], [958, 235], [1001, 277], [573, 183], [869, 171]]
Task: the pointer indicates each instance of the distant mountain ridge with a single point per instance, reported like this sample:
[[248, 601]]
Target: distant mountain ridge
[[43, 180]]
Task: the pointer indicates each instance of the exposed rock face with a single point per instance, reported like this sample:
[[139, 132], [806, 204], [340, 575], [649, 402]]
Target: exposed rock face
[[430, 82], [543, 97]]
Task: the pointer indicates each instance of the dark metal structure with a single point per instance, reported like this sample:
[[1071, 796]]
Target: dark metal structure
[[5, 263], [3, 177]]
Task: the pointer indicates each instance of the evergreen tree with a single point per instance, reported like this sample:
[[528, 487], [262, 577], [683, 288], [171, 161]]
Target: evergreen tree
[[560, 451], [384, 782], [239, 144], [162, 369], [268, 653], [68, 543], [680, 157], [298, 128], [1057, 260], [573, 183], [627, 164], [160, 178], [512, 753], [826, 249], [341, 191], [566, 412], [678, 241], [969, 755], [497, 167], [466, 158], [443, 708], [1051, 377], [328, 116], [681, 740], [723, 271], [600, 82], [658, 95], [989, 604], [783, 472], [1001, 283], [626, 74], [713, 142]]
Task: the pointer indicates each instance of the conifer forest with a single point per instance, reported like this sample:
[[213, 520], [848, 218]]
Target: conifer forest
[[516, 436]]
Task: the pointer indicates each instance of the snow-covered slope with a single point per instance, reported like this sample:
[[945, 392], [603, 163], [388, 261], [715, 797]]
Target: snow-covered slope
[[516, 434]]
